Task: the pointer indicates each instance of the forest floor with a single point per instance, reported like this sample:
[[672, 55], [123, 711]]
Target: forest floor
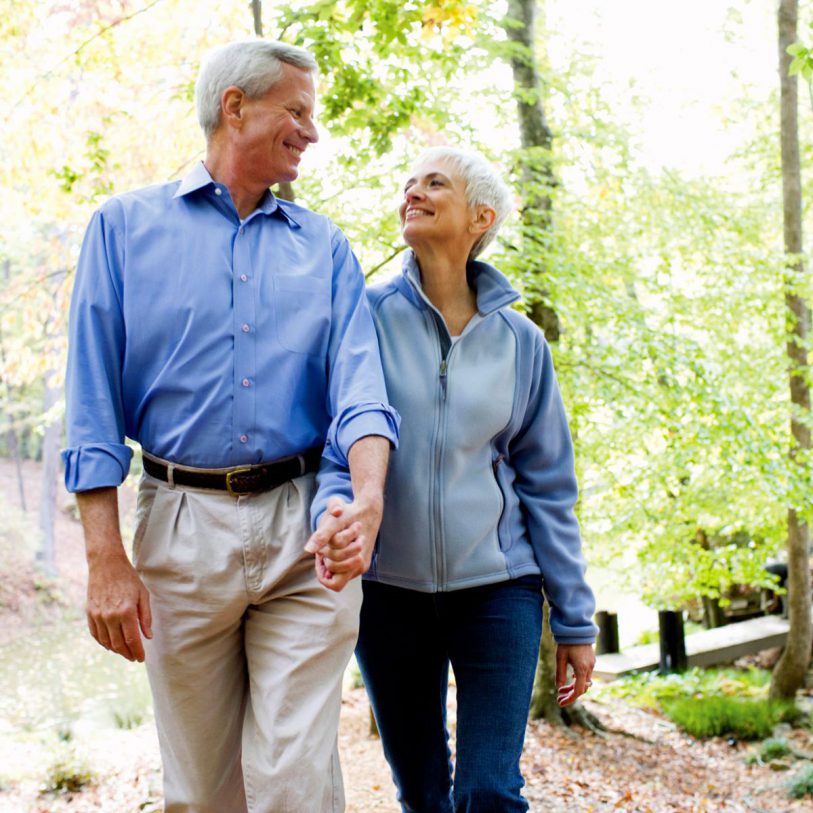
[[643, 765]]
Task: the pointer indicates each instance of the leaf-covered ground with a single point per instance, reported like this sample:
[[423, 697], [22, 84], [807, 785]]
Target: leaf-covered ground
[[645, 765], [650, 768]]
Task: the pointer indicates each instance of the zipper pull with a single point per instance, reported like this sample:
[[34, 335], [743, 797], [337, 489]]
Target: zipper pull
[[443, 368]]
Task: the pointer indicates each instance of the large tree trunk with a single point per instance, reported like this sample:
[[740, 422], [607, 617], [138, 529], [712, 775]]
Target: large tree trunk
[[789, 673], [536, 139], [538, 181]]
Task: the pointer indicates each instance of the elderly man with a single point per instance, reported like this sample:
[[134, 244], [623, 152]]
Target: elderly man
[[227, 332]]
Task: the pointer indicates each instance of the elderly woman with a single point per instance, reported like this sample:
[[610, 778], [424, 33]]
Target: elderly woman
[[478, 516]]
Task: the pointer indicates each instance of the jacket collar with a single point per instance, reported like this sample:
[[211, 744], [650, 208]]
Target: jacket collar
[[492, 288]]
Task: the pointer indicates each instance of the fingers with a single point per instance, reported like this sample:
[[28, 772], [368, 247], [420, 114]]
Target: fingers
[[561, 666], [119, 635], [335, 520], [118, 610], [145, 613], [581, 658], [333, 581]]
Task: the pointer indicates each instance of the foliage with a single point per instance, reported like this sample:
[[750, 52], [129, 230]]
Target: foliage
[[67, 773], [668, 288], [801, 784], [748, 719], [652, 690], [774, 748]]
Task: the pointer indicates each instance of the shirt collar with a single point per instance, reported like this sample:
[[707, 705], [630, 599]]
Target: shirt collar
[[199, 178]]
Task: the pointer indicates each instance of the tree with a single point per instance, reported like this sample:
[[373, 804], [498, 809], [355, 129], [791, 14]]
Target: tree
[[789, 672]]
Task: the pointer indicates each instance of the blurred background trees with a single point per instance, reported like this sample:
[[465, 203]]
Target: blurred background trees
[[661, 289]]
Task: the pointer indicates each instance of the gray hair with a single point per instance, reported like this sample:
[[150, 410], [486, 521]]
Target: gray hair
[[484, 187], [254, 66]]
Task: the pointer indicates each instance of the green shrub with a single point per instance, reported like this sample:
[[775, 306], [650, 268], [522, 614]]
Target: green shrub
[[68, 773], [652, 690], [774, 748], [801, 785], [746, 718]]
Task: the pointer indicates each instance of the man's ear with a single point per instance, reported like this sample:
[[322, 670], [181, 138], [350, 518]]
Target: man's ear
[[482, 219], [232, 103]]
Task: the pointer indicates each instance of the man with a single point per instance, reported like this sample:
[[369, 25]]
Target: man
[[227, 332]]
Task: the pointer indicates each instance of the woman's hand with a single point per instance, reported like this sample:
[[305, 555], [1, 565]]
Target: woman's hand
[[582, 659]]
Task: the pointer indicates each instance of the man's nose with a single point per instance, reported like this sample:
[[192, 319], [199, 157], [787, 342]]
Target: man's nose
[[310, 133]]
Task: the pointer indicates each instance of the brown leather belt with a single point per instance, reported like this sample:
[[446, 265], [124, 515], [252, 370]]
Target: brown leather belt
[[239, 480]]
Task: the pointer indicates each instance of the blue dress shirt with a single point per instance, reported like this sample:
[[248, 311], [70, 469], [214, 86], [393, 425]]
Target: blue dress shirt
[[215, 342]]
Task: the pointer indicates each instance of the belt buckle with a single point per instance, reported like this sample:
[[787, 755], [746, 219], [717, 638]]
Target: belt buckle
[[231, 474]]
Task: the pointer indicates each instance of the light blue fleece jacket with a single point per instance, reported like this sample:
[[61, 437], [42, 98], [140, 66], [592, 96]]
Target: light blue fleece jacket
[[482, 486]]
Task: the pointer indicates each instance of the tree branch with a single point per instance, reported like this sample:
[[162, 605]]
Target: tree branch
[[76, 51]]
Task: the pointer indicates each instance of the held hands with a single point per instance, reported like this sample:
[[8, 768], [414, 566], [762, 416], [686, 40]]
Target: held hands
[[343, 544], [118, 606], [582, 659]]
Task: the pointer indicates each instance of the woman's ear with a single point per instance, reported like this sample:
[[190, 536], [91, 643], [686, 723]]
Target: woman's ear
[[482, 220]]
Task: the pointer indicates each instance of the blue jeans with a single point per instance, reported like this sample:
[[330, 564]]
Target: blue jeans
[[490, 636]]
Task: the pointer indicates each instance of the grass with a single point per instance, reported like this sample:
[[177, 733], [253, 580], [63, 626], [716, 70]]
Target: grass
[[651, 690], [67, 773], [801, 784], [742, 717], [774, 748], [709, 702]]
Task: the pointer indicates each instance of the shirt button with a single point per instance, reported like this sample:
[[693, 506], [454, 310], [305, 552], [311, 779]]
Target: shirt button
[[243, 438], [246, 328], [243, 277], [218, 191], [242, 230], [246, 382]]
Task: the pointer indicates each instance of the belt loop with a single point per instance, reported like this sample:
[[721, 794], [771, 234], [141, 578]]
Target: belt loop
[[171, 475]]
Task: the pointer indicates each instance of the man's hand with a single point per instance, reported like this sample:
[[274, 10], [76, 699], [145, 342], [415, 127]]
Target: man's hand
[[344, 542], [118, 605], [582, 659]]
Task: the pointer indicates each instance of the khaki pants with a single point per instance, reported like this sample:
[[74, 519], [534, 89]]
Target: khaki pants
[[248, 650]]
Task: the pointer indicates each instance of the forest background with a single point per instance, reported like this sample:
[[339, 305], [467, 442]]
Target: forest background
[[656, 263], [664, 262]]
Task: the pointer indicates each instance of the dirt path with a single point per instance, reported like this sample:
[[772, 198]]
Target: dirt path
[[651, 768]]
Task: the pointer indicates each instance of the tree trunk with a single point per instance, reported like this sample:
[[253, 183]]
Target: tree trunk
[[789, 673], [257, 12], [536, 139], [12, 440], [538, 181], [46, 555]]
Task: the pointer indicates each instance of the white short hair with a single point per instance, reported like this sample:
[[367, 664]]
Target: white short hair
[[484, 187], [254, 66]]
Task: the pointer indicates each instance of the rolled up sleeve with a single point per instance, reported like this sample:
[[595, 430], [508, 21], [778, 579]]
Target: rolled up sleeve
[[357, 396], [96, 455]]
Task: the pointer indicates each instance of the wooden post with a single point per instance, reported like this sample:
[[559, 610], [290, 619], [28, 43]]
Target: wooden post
[[607, 641], [673, 643]]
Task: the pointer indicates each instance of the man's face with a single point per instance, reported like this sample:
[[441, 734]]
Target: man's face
[[277, 128]]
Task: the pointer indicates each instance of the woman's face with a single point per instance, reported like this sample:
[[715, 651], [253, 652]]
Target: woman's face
[[434, 208]]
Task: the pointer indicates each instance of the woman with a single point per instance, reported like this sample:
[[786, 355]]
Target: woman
[[478, 508]]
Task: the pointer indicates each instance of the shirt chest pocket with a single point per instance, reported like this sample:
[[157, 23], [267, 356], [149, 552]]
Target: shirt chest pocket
[[301, 308]]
